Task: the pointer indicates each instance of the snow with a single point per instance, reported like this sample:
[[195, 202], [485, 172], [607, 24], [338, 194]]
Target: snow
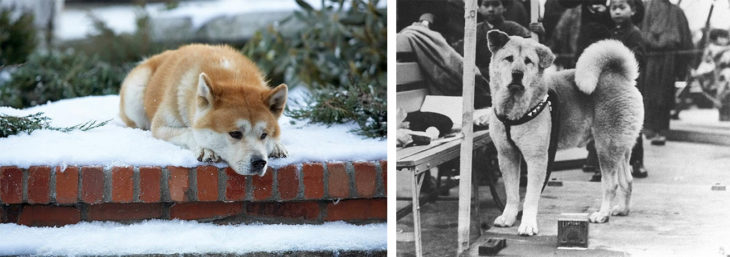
[[117, 145], [179, 237]]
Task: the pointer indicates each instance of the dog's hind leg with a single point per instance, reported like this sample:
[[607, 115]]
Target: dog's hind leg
[[612, 159], [509, 164], [623, 195], [131, 107]]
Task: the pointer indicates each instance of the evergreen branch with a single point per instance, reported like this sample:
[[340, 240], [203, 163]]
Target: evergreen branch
[[12, 125]]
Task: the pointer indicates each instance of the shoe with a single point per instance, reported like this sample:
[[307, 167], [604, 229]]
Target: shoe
[[638, 171], [659, 140], [596, 177]]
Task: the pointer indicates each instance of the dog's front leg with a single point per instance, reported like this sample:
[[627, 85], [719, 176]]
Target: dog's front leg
[[182, 136], [536, 168], [509, 164]]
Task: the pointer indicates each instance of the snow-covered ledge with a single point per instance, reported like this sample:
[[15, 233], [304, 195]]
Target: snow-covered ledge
[[119, 173]]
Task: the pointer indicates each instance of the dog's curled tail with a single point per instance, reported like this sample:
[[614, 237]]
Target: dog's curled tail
[[602, 56]]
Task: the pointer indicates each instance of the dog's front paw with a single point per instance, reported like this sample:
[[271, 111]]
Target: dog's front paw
[[619, 211], [504, 221], [527, 228], [598, 217], [279, 151], [207, 155]]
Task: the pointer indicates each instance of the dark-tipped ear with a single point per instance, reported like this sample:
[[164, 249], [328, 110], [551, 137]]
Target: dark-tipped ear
[[205, 93], [496, 39], [276, 99], [546, 56]]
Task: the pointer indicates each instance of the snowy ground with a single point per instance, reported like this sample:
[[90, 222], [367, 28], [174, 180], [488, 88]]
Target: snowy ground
[[117, 145], [177, 237]]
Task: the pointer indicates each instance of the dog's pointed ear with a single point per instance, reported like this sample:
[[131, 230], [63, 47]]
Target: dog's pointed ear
[[205, 93], [546, 56], [496, 39], [276, 99]]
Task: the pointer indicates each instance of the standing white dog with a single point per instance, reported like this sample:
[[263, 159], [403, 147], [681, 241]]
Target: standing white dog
[[599, 102]]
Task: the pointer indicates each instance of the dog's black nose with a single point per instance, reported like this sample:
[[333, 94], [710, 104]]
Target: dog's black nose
[[517, 76], [515, 87], [258, 164]]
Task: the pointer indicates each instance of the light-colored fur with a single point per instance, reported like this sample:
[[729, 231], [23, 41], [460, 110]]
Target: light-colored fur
[[199, 97], [598, 101]]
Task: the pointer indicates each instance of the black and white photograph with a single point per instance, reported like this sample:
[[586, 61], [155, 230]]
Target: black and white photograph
[[562, 128]]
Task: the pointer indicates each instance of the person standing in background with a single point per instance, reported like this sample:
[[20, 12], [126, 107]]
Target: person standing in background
[[666, 32]]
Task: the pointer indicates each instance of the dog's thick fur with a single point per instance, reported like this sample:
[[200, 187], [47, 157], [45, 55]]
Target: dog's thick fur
[[598, 101], [209, 99]]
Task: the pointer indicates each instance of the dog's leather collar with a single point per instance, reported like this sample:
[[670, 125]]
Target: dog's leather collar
[[527, 117]]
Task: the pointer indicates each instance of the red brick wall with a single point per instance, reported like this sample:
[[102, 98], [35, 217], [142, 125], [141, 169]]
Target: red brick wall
[[309, 192]]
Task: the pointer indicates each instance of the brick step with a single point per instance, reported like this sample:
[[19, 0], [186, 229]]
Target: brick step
[[294, 212], [309, 192]]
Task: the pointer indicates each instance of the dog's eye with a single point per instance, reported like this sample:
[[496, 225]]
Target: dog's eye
[[235, 134], [263, 136], [509, 58], [528, 61]]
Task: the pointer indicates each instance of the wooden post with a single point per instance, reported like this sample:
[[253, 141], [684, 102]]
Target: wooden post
[[465, 187]]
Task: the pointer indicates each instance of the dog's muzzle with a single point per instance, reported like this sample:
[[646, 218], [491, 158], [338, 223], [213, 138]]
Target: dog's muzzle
[[516, 85], [257, 165], [515, 88]]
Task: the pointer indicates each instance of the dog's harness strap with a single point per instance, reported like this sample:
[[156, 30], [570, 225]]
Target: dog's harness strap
[[553, 102], [554, 133]]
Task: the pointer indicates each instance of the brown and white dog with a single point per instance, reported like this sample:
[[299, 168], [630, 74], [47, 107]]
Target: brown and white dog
[[598, 101], [209, 99]]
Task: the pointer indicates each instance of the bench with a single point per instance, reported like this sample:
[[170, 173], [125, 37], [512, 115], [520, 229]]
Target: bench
[[415, 161]]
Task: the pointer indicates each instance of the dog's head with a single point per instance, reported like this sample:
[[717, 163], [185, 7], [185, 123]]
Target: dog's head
[[239, 122], [515, 73], [722, 69]]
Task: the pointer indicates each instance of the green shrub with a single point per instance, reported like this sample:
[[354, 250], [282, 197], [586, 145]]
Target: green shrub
[[17, 38], [58, 75], [339, 54]]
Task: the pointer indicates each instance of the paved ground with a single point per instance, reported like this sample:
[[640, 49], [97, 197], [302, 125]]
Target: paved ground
[[674, 211]]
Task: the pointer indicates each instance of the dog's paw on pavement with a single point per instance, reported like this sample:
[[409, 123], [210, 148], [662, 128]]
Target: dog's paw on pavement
[[598, 217], [619, 211], [527, 228], [503, 221]]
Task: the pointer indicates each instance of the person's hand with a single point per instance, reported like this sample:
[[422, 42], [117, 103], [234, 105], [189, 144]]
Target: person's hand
[[537, 28]]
